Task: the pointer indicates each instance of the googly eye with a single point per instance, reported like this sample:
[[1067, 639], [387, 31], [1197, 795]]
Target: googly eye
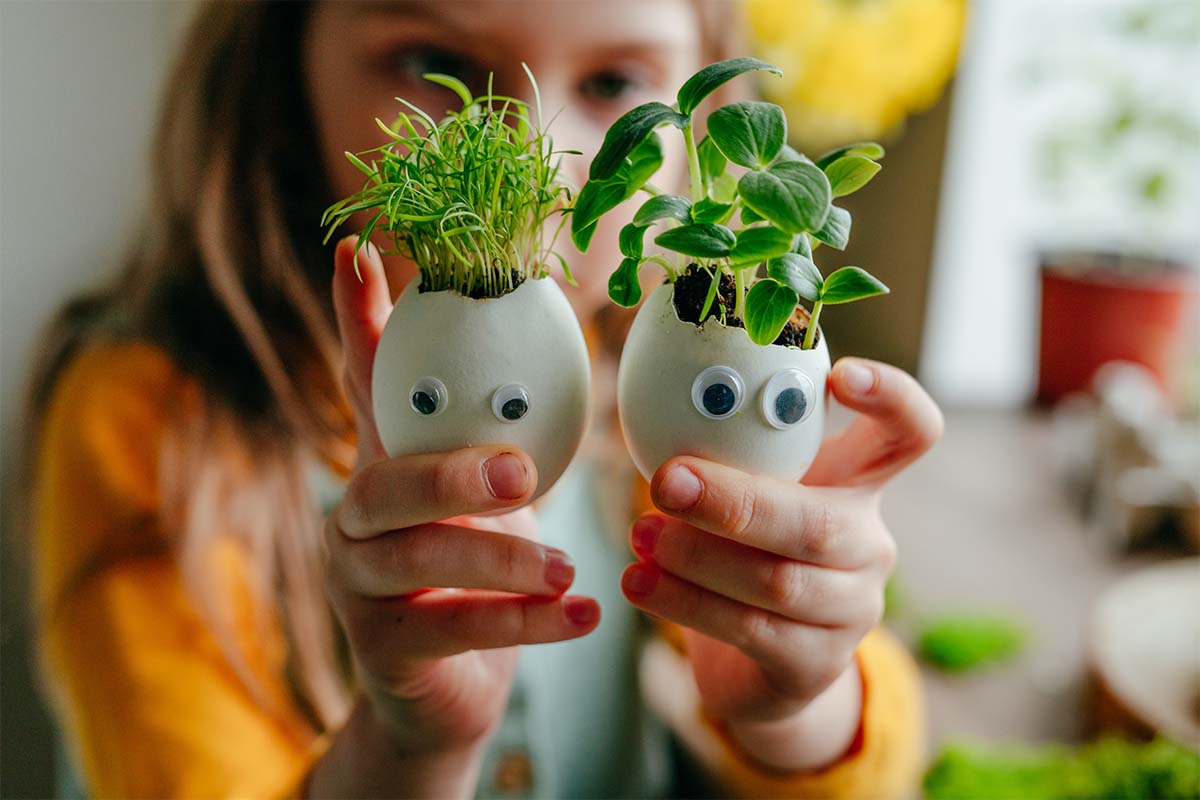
[[510, 403], [428, 397], [788, 399], [717, 392]]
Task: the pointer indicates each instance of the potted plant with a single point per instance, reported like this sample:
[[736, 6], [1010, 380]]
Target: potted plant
[[720, 362], [483, 348]]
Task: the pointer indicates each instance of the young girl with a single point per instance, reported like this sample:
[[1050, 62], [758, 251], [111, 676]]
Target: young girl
[[199, 420]]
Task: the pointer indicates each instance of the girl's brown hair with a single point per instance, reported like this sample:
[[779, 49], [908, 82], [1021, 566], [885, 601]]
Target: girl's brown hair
[[229, 277]]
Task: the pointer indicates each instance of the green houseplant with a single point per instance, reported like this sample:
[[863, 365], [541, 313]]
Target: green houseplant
[[717, 332], [483, 347]]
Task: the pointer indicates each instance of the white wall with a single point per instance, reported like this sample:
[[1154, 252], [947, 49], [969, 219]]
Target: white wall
[[980, 342], [79, 88]]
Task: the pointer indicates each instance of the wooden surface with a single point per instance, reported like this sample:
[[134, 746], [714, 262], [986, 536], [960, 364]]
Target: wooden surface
[[983, 525]]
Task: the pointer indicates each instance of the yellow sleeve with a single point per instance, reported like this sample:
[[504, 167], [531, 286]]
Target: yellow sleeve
[[884, 762], [149, 704]]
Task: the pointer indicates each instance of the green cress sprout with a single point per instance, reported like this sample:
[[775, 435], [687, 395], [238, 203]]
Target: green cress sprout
[[784, 202], [466, 198]]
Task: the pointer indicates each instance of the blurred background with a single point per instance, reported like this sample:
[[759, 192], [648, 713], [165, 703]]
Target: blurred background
[[1038, 223]]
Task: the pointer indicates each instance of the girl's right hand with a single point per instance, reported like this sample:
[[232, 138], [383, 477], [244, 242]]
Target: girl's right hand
[[432, 599]]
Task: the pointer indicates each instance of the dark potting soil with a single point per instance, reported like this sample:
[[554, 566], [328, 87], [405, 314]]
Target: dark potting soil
[[479, 293], [691, 289]]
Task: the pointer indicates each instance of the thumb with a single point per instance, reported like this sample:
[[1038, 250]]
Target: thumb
[[362, 304]]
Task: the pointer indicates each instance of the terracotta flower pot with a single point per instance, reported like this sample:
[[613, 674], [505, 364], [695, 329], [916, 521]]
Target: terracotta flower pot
[[1091, 316], [709, 391], [453, 372]]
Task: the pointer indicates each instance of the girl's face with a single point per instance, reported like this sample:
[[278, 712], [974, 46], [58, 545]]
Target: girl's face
[[593, 61]]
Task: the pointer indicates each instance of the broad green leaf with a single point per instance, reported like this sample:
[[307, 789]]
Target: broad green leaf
[[709, 210], [664, 206], [850, 173], [803, 245], [869, 150], [848, 284], [756, 245], [798, 272], [748, 133], [724, 188], [712, 160], [707, 80], [632, 240], [627, 133], [749, 217], [597, 198], [769, 306], [794, 195], [789, 153], [836, 230], [623, 286], [702, 240]]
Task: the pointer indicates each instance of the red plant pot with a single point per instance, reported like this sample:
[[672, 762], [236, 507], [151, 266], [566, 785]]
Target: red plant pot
[[1096, 315]]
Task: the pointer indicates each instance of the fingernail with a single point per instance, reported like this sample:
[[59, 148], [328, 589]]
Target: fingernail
[[858, 379], [645, 534], [581, 610], [640, 579], [373, 251], [505, 476], [679, 490], [560, 569]]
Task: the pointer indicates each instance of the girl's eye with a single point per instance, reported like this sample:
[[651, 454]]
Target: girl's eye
[[510, 403], [415, 62], [717, 392], [428, 397], [607, 85], [787, 399]]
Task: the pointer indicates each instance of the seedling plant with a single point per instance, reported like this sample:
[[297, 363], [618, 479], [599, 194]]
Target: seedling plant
[[466, 198], [782, 201]]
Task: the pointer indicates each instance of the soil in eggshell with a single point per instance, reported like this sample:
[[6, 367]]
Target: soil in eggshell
[[691, 290]]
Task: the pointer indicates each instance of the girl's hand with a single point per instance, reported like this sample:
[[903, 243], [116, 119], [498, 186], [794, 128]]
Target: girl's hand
[[435, 664], [777, 582]]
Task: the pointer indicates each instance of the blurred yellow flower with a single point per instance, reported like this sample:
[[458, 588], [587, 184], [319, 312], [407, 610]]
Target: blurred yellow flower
[[854, 69]]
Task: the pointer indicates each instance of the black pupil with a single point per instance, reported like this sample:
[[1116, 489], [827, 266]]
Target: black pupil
[[424, 402], [790, 406], [718, 399], [514, 409]]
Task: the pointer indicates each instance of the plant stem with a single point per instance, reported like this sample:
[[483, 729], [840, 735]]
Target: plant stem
[[693, 163], [812, 326], [739, 306]]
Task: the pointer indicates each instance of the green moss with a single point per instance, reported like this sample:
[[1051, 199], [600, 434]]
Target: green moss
[[962, 642], [1108, 768]]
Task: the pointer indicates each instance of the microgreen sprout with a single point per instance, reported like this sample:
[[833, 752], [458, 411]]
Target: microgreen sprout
[[783, 201], [467, 198]]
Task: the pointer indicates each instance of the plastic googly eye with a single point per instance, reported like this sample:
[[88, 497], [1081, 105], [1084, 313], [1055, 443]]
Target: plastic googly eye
[[788, 399], [428, 397], [718, 392], [510, 403]]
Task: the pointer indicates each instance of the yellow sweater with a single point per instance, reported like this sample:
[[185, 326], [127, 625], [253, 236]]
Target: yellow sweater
[[149, 704]]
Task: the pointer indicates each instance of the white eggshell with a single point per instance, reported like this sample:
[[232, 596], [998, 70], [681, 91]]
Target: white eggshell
[[661, 360], [529, 336]]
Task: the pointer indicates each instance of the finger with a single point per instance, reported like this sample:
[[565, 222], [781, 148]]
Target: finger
[[362, 304], [443, 623], [793, 653], [413, 490], [899, 423], [820, 526], [447, 556], [793, 589]]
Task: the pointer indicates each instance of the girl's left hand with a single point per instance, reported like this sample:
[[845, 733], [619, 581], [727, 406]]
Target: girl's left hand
[[777, 582]]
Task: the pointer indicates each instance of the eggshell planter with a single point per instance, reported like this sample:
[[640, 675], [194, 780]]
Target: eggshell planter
[[709, 391], [452, 372]]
